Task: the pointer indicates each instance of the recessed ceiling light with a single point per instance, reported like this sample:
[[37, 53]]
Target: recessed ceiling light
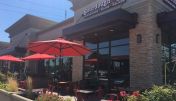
[[111, 30], [95, 34]]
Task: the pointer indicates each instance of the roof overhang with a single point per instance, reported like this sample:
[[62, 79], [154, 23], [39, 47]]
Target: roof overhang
[[167, 22], [17, 51], [121, 19]]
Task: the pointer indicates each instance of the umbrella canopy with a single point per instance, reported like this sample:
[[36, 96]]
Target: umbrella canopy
[[91, 61], [38, 56], [58, 47], [10, 58]]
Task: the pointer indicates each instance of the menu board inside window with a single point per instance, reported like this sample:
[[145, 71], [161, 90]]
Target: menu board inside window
[[170, 3]]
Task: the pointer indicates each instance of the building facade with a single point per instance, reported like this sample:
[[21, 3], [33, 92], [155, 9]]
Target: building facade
[[130, 39], [132, 31]]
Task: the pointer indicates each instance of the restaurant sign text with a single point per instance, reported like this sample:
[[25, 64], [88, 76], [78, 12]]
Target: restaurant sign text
[[101, 6], [170, 3]]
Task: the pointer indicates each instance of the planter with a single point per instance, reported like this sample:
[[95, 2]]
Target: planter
[[11, 96]]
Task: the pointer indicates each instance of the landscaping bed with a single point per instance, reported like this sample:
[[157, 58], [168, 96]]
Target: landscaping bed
[[11, 96]]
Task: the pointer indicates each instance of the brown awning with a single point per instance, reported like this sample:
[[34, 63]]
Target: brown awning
[[120, 18]]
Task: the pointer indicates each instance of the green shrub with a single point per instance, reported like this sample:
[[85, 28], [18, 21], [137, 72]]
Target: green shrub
[[49, 97], [12, 85], [3, 85], [53, 97], [2, 77], [10, 75], [29, 87], [68, 99], [137, 98], [161, 93]]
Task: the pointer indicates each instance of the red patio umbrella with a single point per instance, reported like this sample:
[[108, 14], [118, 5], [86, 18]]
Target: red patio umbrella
[[91, 61], [58, 47], [38, 56], [10, 58]]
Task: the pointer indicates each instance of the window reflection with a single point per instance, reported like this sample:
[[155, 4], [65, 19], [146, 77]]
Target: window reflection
[[91, 45], [115, 66], [104, 51], [120, 50], [103, 44], [62, 72], [120, 42]]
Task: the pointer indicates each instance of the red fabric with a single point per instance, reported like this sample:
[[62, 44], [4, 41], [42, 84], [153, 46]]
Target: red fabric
[[58, 47], [38, 57], [91, 61], [10, 58]]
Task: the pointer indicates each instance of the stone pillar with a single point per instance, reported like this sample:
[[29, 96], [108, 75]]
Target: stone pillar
[[77, 68], [145, 57]]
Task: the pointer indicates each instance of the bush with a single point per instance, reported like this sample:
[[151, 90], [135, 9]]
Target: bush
[[3, 85], [137, 98], [49, 97], [2, 77], [10, 75], [12, 85], [161, 93], [53, 97], [29, 87]]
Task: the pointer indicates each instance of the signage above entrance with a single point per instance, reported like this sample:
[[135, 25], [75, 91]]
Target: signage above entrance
[[170, 3], [101, 6]]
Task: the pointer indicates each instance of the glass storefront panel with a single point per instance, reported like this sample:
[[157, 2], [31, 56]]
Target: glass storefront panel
[[62, 72], [120, 42], [115, 69], [120, 50], [103, 44], [90, 55], [91, 45], [104, 51]]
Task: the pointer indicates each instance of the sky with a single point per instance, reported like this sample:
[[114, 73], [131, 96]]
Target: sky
[[12, 10]]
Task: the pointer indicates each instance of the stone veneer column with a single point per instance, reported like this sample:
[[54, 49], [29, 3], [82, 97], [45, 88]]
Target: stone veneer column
[[145, 57], [77, 68]]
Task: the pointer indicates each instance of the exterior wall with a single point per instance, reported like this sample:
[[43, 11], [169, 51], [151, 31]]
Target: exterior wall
[[78, 13], [145, 57], [81, 3], [29, 21], [4, 45], [77, 68], [56, 31], [22, 39]]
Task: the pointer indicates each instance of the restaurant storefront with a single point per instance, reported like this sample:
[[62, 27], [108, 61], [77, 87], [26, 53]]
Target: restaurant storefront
[[126, 38], [130, 41]]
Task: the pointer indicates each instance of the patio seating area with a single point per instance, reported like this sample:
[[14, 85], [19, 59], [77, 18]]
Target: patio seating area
[[91, 88], [84, 90]]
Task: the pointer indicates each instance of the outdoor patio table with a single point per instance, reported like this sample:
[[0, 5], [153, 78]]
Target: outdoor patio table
[[62, 86], [85, 94], [62, 82], [37, 90]]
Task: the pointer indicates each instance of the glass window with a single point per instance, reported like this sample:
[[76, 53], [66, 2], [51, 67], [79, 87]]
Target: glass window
[[103, 44], [104, 51], [120, 50], [120, 42], [91, 45], [87, 56]]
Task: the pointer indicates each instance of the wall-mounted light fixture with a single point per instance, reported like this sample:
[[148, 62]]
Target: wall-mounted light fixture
[[157, 38], [139, 38]]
